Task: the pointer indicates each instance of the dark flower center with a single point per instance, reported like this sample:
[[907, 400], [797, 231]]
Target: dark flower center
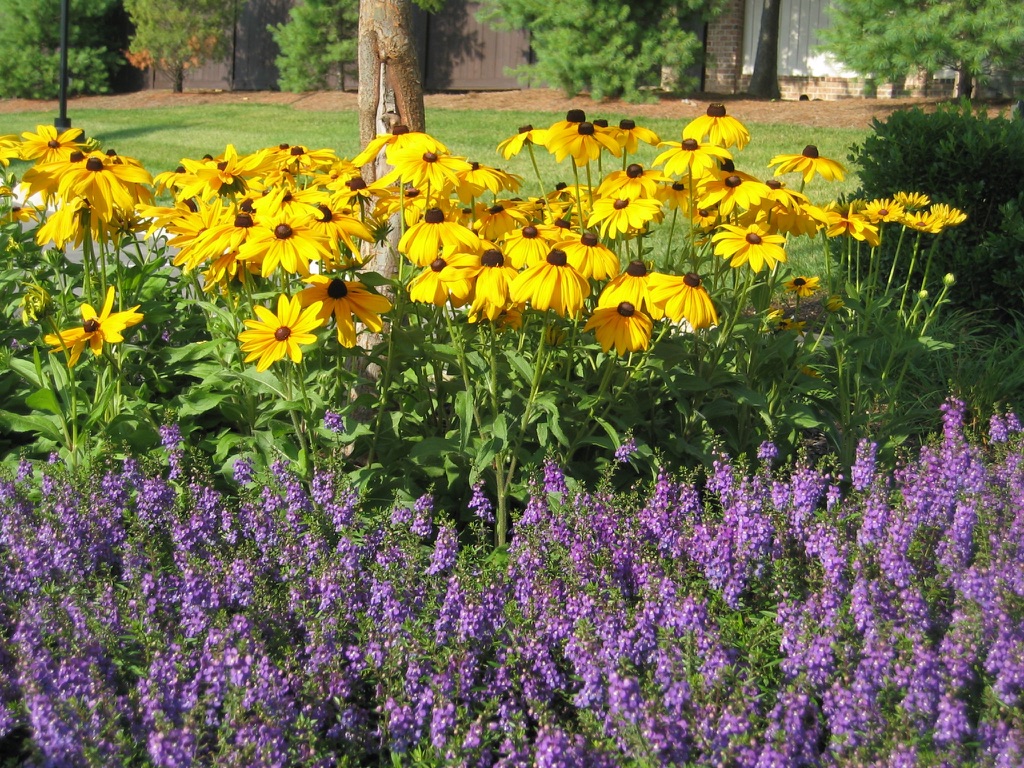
[[111, 152], [282, 231], [626, 124], [575, 116], [246, 205], [557, 258], [53, 144], [492, 258], [91, 325], [287, 197], [282, 333], [494, 210], [411, 192], [690, 145], [296, 151], [733, 181], [678, 187], [619, 204], [799, 282], [626, 309], [530, 232], [337, 289], [636, 269], [180, 169], [429, 157], [434, 216], [222, 165], [727, 165], [243, 220], [474, 165], [703, 212], [634, 171], [774, 184], [525, 128], [94, 164], [691, 280], [438, 264], [400, 130], [883, 211], [810, 151], [560, 186], [601, 123], [753, 238], [282, 147], [585, 129], [562, 223], [589, 239], [716, 110], [356, 183], [192, 205], [325, 213]]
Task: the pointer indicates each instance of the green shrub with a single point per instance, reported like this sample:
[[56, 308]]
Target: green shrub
[[318, 44], [963, 158], [603, 47], [30, 47]]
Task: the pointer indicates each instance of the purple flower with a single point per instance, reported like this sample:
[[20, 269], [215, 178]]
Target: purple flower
[[334, 422], [625, 451]]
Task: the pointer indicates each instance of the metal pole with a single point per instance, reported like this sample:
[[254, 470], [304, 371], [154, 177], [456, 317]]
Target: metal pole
[[62, 123]]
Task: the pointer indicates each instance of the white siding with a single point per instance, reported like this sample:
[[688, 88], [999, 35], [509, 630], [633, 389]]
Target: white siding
[[798, 26]]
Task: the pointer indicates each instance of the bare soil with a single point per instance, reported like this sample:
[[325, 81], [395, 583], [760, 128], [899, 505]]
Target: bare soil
[[845, 113]]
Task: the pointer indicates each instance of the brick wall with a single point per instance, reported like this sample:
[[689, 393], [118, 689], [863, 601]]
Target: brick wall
[[724, 48], [835, 88]]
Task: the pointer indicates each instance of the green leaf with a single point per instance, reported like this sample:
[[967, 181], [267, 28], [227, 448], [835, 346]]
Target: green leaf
[[44, 400], [47, 426], [464, 410]]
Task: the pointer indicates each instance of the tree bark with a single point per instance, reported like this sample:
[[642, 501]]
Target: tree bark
[[764, 82]]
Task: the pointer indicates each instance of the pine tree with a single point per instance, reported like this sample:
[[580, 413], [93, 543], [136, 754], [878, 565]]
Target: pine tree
[[891, 39], [318, 44]]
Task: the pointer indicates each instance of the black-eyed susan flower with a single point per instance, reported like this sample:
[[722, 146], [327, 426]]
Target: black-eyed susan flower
[[883, 210], [630, 135], [583, 144], [912, 201], [286, 201], [347, 301], [732, 191], [96, 329], [691, 158], [851, 222], [434, 171], [479, 178], [623, 326], [526, 246], [674, 196], [399, 140], [683, 298], [436, 234], [10, 149], [221, 232], [632, 285], [46, 145], [753, 245], [634, 182], [526, 135], [290, 245], [271, 336], [338, 225], [497, 220], [803, 286], [808, 163], [106, 185], [590, 257], [949, 216], [551, 284], [230, 175], [432, 286], [718, 128], [492, 283], [621, 215]]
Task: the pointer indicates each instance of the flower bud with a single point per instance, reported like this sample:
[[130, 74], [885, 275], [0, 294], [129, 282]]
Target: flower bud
[[949, 279], [36, 304]]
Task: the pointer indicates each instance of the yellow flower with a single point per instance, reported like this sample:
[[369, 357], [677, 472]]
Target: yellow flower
[[400, 139], [491, 291], [633, 285], [434, 171], [527, 134], [47, 146], [950, 217], [808, 163], [684, 298], [732, 190], [551, 284], [526, 246], [292, 245], [434, 235], [690, 157], [10, 149], [885, 210], [495, 221], [346, 300], [923, 221], [231, 174], [623, 326], [106, 326], [851, 222], [478, 178], [106, 185], [632, 183], [583, 144], [803, 286], [718, 127], [834, 303], [338, 225], [271, 337], [752, 244], [433, 286], [590, 258], [913, 201], [629, 135], [617, 215]]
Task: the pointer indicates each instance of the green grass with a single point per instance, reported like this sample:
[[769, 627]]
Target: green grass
[[159, 138]]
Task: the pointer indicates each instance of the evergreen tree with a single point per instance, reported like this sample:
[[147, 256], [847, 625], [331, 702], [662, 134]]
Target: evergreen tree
[[318, 44], [176, 35], [606, 47], [30, 47], [890, 39]]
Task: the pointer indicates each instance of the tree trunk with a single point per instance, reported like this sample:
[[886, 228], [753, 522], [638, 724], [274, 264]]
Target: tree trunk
[[964, 83], [178, 80], [390, 92], [764, 83]]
